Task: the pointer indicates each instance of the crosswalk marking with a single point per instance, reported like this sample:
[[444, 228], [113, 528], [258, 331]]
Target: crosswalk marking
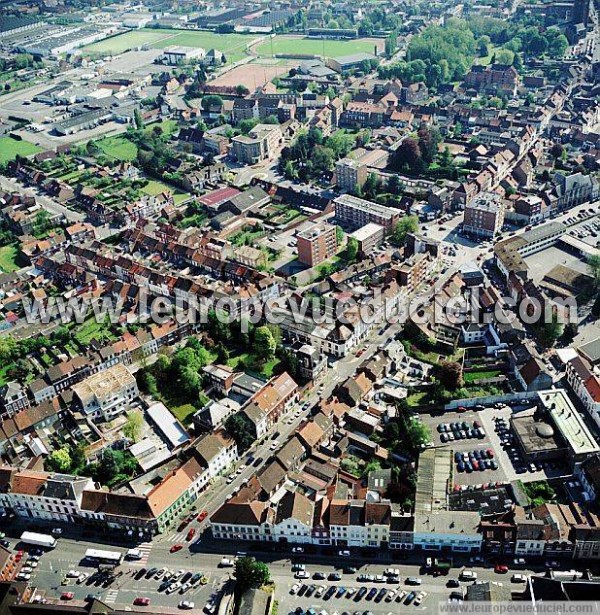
[[111, 596], [145, 548]]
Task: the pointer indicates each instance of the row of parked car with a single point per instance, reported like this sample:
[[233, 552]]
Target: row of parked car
[[460, 430], [475, 460], [358, 594]]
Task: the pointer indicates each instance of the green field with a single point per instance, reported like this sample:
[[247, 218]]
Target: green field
[[232, 45], [10, 148], [327, 48], [8, 259], [156, 187], [118, 147]]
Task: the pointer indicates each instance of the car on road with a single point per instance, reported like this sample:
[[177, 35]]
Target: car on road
[[302, 574], [141, 601], [344, 553], [67, 596], [201, 518], [453, 583], [82, 577], [349, 570], [73, 574], [191, 533], [297, 550], [210, 607], [295, 588], [57, 531], [230, 479], [500, 569], [518, 578], [334, 576], [319, 576], [176, 548], [186, 604], [274, 445]]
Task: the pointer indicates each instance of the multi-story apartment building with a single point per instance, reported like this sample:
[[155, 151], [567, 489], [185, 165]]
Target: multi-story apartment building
[[316, 244], [369, 237], [13, 398], [42, 495], [484, 215], [270, 403], [107, 393], [353, 212], [586, 385], [350, 173], [260, 144], [217, 451]]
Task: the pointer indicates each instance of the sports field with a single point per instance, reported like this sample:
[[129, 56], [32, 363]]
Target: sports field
[[330, 49], [9, 148], [232, 45]]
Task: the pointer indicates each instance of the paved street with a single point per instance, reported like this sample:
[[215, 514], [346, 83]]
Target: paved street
[[68, 555]]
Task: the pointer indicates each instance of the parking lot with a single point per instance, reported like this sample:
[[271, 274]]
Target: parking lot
[[506, 463]]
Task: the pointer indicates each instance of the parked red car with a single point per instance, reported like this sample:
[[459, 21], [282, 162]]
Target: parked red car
[[67, 596], [501, 569], [191, 533], [202, 516], [176, 548], [141, 601]]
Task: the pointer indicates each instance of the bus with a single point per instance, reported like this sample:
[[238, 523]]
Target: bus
[[39, 540], [106, 558]]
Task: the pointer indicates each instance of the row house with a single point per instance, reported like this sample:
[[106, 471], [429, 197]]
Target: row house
[[42, 496], [218, 452], [268, 405], [586, 385]]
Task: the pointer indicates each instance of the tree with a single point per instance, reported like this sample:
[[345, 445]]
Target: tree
[[60, 460], [408, 156], [264, 343], [429, 140], [108, 467], [211, 100], [404, 226], [417, 433], [133, 425], [483, 46], [569, 332], [249, 574], [556, 151], [241, 431], [339, 235], [593, 264], [505, 56], [395, 185], [449, 373], [352, 249], [138, 120], [549, 332]]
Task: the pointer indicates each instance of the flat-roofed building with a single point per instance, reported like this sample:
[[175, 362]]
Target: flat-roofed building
[[354, 212], [107, 393], [175, 55], [350, 173], [369, 237], [316, 244], [260, 144], [570, 424], [484, 215]]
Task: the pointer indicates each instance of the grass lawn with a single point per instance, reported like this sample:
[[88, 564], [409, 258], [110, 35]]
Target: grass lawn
[[156, 187], [118, 147], [8, 259], [248, 364], [129, 40], [169, 127], [485, 60], [91, 329], [10, 148], [183, 412], [472, 376], [232, 45], [331, 49]]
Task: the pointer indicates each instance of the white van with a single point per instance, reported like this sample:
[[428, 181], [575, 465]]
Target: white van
[[468, 575], [133, 554], [226, 563]]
